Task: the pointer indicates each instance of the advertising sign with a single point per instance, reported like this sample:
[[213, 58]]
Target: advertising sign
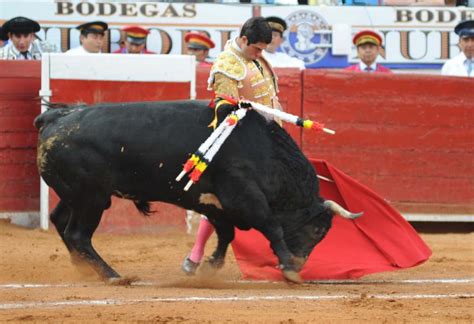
[[413, 37]]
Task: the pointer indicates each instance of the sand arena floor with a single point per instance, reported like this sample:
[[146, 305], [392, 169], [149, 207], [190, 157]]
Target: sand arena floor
[[38, 283]]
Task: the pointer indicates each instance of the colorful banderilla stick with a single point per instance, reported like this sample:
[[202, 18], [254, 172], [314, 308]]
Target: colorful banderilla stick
[[196, 157], [298, 121], [199, 161], [206, 152]]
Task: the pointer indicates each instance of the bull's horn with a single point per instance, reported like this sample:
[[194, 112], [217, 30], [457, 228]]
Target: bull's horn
[[338, 209]]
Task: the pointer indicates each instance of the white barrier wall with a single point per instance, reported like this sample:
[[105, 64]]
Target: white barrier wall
[[62, 69]]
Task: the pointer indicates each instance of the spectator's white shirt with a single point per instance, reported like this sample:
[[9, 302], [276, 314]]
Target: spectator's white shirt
[[363, 67], [457, 66], [78, 50], [10, 52], [36, 49], [283, 60]]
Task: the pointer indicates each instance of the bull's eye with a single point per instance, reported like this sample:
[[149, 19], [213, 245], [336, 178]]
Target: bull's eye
[[317, 233]]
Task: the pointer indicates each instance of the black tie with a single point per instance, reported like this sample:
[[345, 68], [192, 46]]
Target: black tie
[[25, 55], [260, 68]]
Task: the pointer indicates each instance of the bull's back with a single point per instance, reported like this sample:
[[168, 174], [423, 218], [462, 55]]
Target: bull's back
[[128, 144], [106, 123], [138, 149]]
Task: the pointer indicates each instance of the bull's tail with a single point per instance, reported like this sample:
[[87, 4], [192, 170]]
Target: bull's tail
[[338, 209]]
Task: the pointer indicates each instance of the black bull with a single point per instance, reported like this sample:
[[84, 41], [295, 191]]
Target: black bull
[[259, 179]]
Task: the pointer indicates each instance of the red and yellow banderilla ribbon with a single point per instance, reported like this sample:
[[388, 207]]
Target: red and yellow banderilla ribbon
[[200, 160]]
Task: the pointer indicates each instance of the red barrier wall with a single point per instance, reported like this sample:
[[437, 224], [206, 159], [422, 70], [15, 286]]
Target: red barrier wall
[[123, 215], [290, 84], [202, 74], [19, 105], [408, 137]]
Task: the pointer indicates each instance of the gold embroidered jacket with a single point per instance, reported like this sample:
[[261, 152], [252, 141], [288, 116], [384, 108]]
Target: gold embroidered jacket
[[234, 75]]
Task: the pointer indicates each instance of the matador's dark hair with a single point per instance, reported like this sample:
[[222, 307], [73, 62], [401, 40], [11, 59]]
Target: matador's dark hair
[[257, 30]]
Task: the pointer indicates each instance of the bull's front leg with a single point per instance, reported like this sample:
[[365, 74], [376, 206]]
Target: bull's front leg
[[289, 265], [225, 234], [241, 196]]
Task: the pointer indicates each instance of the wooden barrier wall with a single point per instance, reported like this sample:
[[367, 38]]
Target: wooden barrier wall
[[408, 137], [19, 105]]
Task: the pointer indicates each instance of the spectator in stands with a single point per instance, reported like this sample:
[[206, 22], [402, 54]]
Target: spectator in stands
[[279, 59], [463, 63], [22, 44], [199, 44], [368, 45], [3, 38], [240, 71], [92, 38], [135, 41]]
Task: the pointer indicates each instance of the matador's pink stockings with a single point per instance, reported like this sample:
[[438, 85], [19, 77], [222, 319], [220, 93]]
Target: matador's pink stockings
[[204, 232]]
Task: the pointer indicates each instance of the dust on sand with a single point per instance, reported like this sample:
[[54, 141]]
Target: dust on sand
[[164, 295]]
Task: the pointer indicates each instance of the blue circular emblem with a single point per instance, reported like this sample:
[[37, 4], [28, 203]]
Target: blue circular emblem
[[308, 36]]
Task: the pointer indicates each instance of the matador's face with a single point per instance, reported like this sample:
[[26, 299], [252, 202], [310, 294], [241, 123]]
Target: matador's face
[[252, 51]]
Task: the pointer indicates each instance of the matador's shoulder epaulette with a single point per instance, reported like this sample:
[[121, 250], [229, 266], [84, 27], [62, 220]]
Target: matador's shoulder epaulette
[[229, 64]]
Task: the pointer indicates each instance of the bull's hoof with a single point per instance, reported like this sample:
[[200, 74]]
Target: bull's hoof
[[121, 281], [189, 267], [292, 276], [216, 263], [207, 269], [299, 263]]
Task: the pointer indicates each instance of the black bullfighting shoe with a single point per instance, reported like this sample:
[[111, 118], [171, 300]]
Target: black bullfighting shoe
[[189, 267]]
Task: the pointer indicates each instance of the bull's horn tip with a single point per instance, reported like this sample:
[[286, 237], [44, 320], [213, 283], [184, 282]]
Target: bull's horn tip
[[356, 215]]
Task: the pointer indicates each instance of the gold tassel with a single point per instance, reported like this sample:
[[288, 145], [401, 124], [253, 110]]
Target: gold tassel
[[213, 123]]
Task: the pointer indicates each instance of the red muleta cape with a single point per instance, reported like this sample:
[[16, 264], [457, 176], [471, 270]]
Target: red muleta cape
[[380, 240]]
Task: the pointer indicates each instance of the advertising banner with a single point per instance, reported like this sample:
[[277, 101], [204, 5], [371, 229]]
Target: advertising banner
[[413, 37]]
